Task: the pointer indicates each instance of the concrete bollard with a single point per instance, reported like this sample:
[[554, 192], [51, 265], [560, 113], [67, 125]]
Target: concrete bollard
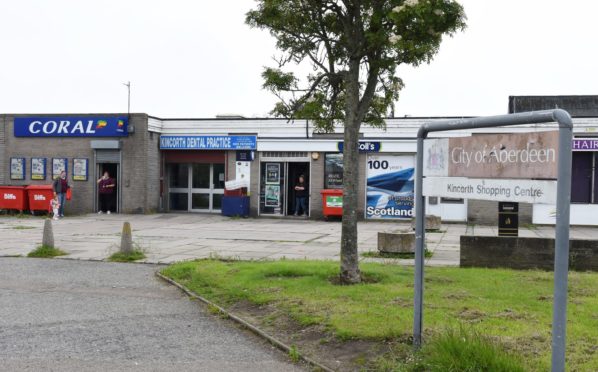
[[48, 238], [126, 239]]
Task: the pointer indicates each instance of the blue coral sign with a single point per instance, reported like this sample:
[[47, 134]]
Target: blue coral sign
[[71, 126]]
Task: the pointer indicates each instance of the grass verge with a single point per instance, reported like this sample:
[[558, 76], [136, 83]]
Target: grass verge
[[127, 257], [46, 252], [514, 308], [404, 255]]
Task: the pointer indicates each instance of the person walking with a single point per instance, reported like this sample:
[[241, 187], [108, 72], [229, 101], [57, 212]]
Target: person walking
[[60, 187], [301, 197], [106, 193]]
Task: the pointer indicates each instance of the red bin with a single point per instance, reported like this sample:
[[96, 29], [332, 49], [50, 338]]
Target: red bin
[[13, 197], [332, 202], [39, 197]]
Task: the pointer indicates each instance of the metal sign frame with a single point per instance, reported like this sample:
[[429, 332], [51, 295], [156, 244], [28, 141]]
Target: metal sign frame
[[561, 256]]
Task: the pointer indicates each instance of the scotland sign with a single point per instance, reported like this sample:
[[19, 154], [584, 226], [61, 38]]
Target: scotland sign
[[69, 126]]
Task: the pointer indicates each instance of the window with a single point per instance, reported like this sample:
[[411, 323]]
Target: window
[[584, 178], [333, 171]]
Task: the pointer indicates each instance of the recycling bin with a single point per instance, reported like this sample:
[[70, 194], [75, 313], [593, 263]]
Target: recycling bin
[[39, 197], [235, 206], [13, 197], [332, 202]]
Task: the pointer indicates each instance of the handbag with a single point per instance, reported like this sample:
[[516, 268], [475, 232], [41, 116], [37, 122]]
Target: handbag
[[69, 194]]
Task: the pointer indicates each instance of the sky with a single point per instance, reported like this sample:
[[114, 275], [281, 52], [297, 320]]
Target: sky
[[198, 59]]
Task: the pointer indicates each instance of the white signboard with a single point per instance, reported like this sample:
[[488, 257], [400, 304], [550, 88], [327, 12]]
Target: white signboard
[[513, 190], [243, 172]]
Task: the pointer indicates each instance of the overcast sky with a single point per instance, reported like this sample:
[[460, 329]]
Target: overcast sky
[[197, 58]]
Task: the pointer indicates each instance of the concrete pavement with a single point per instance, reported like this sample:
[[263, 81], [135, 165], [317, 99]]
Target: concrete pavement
[[173, 237], [60, 315]]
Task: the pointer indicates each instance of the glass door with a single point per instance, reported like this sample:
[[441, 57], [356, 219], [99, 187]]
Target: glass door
[[207, 187], [196, 187]]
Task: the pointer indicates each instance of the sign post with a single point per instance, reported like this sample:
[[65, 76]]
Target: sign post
[[502, 156]]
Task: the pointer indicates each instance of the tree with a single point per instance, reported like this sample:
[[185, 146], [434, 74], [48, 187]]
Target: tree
[[353, 48]]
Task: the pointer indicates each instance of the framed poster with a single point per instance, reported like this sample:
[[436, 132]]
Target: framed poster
[[59, 165], [273, 173], [17, 168], [272, 196], [390, 181], [80, 169], [333, 171], [38, 168]]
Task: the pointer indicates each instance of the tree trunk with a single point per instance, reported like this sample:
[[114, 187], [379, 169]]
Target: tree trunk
[[349, 257]]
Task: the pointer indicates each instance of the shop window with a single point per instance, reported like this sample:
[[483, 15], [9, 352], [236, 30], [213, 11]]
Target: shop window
[[178, 201], [201, 176], [584, 178], [333, 171]]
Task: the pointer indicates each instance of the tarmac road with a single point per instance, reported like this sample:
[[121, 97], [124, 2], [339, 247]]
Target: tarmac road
[[62, 315]]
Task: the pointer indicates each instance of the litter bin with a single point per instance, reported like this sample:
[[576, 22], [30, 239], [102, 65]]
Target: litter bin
[[332, 202], [13, 197], [235, 206], [39, 197]]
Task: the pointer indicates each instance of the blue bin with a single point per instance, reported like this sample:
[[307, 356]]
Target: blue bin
[[235, 206]]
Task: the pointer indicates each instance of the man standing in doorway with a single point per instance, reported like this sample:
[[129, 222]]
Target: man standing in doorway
[[301, 197], [106, 192]]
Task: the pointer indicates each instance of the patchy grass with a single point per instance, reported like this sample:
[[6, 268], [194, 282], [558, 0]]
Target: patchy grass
[[455, 349], [127, 257], [22, 227], [378, 254], [513, 307], [46, 252]]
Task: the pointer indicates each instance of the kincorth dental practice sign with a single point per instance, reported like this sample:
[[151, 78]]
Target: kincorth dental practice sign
[[208, 142], [470, 167], [90, 126]]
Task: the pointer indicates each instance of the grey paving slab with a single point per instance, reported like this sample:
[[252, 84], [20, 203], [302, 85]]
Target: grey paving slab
[[170, 237]]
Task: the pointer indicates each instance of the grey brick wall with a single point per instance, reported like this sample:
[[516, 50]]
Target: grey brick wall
[[3, 160], [485, 212], [139, 183]]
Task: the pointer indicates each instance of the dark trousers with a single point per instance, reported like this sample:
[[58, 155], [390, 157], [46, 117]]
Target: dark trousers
[[301, 204], [106, 202]]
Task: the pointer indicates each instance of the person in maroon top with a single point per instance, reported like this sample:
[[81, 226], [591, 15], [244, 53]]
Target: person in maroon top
[[60, 185], [106, 187]]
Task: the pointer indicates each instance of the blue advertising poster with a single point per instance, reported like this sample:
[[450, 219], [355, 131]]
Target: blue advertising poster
[[390, 191], [208, 142], [70, 126]]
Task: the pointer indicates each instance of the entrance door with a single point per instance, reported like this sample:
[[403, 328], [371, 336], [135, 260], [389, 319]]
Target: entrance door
[[296, 170], [196, 187], [112, 169], [207, 187]]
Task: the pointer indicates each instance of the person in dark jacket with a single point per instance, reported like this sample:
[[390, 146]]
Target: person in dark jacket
[[301, 196], [106, 187], [60, 185]]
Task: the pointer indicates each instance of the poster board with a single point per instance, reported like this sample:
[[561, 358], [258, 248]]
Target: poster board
[[38, 168], [390, 186], [59, 165], [17, 168], [80, 169], [272, 173], [272, 196]]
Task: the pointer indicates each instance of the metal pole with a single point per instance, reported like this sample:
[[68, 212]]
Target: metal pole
[[561, 254], [420, 237], [561, 257]]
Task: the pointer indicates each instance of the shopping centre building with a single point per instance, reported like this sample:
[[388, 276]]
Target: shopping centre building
[[183, 165]]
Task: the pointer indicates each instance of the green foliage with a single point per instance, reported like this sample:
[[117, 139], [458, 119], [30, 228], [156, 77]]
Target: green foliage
[[349, 43], [127, 257], [294, 354], [46, 252], [514, 307]]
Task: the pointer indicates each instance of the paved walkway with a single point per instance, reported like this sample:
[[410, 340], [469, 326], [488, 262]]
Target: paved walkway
[[60, 315], [168, 238]]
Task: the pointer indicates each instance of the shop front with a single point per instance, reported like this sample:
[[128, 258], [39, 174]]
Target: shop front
[[284, 180], [195, 169], [38, 148]]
